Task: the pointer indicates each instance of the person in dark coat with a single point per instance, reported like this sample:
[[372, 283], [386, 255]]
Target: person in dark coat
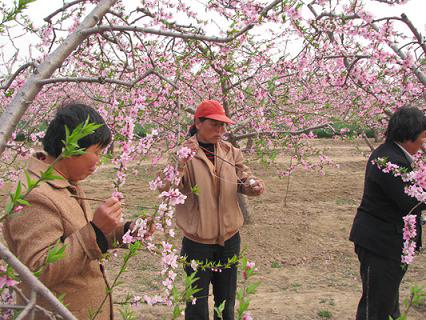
[[378, 225]]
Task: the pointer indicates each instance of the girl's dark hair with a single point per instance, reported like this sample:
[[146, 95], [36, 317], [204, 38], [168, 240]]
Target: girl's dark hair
[[193, 129], [71, 115], [406, 124]]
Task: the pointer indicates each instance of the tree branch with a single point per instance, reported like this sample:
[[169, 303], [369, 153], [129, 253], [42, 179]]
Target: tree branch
[[270, 133], [66, 6], [16, 73], [416, 33], [418, 73], [193, 36], [390, 1], [100, 80], [364, 136]]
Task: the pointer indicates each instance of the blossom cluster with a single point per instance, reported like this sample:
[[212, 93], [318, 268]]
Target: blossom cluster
[[5, 281], [409, 236], [185, 153]]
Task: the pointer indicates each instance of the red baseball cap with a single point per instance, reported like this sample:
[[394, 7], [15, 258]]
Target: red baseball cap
[[212, 109]]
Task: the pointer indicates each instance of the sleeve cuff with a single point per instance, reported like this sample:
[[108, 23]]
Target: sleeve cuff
[[101, 240], [127, 227]]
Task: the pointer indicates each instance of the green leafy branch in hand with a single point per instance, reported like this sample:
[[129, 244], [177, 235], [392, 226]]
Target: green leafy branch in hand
[[133, 250], [71, 147]]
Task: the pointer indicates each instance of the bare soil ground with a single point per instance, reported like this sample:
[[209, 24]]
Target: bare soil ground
[[307, 266]]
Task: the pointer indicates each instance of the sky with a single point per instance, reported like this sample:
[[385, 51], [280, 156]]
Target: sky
[[415, 10]]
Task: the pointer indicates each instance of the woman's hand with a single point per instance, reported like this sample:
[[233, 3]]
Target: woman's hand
[[256, 186], [108, 215]]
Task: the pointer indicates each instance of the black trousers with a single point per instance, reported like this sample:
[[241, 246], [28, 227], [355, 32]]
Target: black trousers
[[381, 278], [224, 283]]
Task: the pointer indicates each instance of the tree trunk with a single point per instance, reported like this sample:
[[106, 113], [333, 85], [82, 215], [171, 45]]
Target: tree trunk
[[249, 144], [244, 206]]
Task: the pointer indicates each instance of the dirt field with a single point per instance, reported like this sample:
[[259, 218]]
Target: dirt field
[[307, 266]]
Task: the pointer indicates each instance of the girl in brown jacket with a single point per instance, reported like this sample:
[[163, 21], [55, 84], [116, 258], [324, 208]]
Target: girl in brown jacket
[[210, 220], [58, 212]]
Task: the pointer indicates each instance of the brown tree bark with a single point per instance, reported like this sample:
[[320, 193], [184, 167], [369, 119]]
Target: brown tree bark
[[245, 208]]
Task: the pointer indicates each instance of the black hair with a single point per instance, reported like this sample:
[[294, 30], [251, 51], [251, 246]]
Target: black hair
[[405, 124], [193, 129], [71, 115]]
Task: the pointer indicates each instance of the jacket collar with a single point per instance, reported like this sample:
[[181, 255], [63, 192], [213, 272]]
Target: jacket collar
[[401, 153], [36, 166], [406, 153], [221, 150]]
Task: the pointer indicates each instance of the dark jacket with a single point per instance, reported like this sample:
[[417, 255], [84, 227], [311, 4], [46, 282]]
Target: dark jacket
[[378, 223]]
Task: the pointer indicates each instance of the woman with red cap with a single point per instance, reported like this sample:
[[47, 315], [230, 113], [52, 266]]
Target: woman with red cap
[[210, 218]]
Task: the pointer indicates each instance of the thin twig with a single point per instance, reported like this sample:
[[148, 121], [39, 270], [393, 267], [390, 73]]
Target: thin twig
[[414, 208], [47, 313], [66, 6], [29, 307], [102, 200]]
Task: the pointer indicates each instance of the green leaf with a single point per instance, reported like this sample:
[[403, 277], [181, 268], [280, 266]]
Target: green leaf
[[252, 288], [18, 190], [219, 309], [71, 147], [196, 190], [244, 304], [56, 253], [23, 202], [176, 312], [9, 207], [30, 183], [49, 175]]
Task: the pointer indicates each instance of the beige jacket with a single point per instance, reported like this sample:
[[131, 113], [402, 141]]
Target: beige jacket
[[213, 216], [54, 215]]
